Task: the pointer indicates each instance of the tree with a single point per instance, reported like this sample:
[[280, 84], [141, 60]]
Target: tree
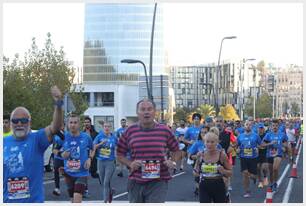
[[295, 109], [206, 110], [181, 113], [228, 112], [27, 82], [263, 106]]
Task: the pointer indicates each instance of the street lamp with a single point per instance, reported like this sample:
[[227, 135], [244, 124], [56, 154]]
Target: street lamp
[[135, 61], [241, 82], [218, 70]]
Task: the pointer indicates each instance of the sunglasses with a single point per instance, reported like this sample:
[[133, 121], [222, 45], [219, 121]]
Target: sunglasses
[[22, 120]]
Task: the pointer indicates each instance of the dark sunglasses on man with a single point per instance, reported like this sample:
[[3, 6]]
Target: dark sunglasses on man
[[22, 120]]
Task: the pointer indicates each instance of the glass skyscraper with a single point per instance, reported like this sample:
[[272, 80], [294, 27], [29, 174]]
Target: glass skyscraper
[[121, 31]]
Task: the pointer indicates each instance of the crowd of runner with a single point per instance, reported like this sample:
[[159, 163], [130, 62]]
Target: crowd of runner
[[149, 150]]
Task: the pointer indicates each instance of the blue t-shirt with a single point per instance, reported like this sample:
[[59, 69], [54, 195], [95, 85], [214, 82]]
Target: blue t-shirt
[[255, 128], [107, 150], [78, 148], [199, 146], [275, 149], [23, 168], [58, 144], [239, 130], [282, 128], [192, 133], [248, 143], [120, 131]]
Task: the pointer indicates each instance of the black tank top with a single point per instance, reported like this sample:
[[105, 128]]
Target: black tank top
[[210, 169]]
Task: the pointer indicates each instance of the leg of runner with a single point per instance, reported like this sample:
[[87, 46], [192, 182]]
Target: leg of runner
[[276, 165], [57, 165], [109, 171], [264, 169], [259, 171], [270, 163], [79, 188], [246, 183]]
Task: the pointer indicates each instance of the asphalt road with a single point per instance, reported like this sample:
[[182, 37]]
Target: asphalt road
[[181, 187]]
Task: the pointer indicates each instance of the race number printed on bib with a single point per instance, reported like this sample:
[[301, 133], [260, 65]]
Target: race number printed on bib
[[74, 165], [104, 151], [208, 168], [247, 152], [18, 188], [150, 169]]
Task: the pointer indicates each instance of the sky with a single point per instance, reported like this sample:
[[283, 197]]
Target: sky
[[193, 31]]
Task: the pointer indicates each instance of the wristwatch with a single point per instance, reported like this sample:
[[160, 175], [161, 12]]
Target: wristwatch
[[59, 103]]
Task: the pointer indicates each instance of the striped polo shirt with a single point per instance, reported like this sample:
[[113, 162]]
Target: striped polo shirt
[[146, 145]]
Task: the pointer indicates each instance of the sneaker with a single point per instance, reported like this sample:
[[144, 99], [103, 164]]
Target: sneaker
[[229, 188], [86, 194], [260, 185], [196, 192], [120, 174], [228, 198], [274, 187], [111, 194], [174, 171], [247, 194], [266, 181], [56, 192]]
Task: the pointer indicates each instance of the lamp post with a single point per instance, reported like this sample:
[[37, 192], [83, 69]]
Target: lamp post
[[151, 50], [242, 90], [218, 71], [135, 61]]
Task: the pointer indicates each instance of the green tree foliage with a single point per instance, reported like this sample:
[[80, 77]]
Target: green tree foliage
[[27, 82], [295, 109], [206, 110], [181, 113], [263, 106]]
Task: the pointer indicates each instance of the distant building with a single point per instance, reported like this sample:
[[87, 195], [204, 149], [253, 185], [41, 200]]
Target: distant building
[[289, 90]]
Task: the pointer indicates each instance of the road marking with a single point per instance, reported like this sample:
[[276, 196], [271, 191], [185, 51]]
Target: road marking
[[120, 195], [125, 193], [290, 185], [51, 181]]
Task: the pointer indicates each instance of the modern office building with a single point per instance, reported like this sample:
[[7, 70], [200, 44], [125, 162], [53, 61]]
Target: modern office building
[[195, 85], [114, 32]]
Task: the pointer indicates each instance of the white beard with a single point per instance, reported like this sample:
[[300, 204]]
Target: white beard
[[19, 134]]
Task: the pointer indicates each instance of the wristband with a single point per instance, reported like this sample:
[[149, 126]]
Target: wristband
[[59, 103]]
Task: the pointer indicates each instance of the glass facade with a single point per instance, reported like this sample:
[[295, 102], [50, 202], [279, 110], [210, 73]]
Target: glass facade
[[121, 31]]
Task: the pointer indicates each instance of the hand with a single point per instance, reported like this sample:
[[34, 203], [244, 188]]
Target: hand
[[221, 169], [87, 164], [170, 164], [56, 93], [65, 154], [135, 165], [55, 151]]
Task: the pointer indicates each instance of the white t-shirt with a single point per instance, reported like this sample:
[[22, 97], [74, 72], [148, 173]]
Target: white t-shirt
[[181, 130], [290, 133]]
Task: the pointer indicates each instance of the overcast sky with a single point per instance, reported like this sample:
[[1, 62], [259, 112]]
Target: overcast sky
[[193, 31]]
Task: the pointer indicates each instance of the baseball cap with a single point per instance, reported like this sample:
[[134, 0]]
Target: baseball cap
[[261, 125], [208, 119]]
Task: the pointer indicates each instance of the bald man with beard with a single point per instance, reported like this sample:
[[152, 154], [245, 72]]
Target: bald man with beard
[[23, 154]]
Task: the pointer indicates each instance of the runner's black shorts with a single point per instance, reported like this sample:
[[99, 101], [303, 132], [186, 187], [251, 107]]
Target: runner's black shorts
[[262, 156], [270, 160], [249, 164]]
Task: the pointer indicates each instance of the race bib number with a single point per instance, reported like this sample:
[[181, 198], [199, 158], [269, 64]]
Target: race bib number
[[248, 152], [105, 151], [18, 188], [150, 169], [74, 165], [207, 168], [273, 152]]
